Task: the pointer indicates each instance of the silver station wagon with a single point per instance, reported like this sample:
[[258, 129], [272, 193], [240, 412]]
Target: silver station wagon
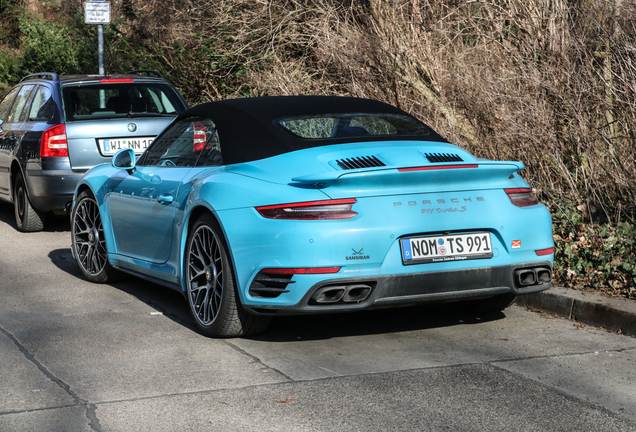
[[54, 128]]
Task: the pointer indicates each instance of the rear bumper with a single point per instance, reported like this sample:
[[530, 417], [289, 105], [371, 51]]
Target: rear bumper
[[415, 288], [52, 190]]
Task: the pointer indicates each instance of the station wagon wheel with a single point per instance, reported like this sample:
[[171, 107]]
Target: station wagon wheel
[[27, 219], [88, 242], [211, 290]]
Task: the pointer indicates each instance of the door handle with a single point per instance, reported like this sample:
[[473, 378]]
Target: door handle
[[165, 199]]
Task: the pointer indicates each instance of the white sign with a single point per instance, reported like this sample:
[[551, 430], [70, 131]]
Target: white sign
[[97, 12]]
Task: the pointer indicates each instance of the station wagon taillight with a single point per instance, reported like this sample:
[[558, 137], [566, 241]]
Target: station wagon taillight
[[200, 136], [53, 142], [328, 209], [522, 197]]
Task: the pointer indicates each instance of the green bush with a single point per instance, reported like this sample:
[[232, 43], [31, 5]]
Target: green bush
[[60, 47], [599, 255], [10, 71], [47, 47]]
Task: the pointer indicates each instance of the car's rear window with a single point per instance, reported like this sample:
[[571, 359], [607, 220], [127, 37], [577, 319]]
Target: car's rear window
[[115, 100], [352, 125]]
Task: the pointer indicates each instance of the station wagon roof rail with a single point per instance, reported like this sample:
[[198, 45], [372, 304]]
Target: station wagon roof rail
[[53, 75]]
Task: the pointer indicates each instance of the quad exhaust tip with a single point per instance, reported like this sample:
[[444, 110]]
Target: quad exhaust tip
[[354, 293], [532, 276]]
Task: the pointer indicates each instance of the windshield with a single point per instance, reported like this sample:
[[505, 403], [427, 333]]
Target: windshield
[[117, 100], [352, 125]]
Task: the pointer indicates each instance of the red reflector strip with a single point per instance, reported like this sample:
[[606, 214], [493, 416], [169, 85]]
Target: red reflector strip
[[311, 270], [116, 80], [437, 167], [542, 252]]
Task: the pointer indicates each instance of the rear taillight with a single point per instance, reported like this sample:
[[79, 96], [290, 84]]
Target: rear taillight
[[329, 209], [53, 142], [303, 270], [522, 197], [200, 136]]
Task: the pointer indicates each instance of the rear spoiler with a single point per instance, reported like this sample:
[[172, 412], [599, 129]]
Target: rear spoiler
[[439, 174]]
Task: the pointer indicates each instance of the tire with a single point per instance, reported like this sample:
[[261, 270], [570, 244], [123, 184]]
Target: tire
[[211, 289], [27, 219], [88, 242]]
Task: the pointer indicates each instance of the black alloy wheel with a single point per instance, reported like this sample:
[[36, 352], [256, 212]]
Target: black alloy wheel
[[88, 242]]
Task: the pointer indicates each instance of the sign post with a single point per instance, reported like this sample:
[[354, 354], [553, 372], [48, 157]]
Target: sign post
[[98, 12]]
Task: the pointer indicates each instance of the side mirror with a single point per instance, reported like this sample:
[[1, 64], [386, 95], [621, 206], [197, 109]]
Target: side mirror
[[124, 159]]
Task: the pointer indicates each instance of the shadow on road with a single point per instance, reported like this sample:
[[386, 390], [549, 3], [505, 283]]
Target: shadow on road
[[396, 320], [169, 302], [173, 305]]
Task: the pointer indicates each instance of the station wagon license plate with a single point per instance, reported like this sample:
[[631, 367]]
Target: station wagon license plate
[[109, 147], [442, 248]]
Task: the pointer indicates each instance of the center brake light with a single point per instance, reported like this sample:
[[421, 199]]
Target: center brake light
[[53, 142], [312, 210], [437, 167], [522, 197], [116, 80]]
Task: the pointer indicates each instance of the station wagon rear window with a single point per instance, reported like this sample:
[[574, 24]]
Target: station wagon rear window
[[116, 100], [352, 125]]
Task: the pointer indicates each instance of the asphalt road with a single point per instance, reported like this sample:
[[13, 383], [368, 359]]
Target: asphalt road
[[76, 356]]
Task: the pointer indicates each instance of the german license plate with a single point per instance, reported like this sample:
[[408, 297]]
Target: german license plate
[[109, 147], [442, 248]]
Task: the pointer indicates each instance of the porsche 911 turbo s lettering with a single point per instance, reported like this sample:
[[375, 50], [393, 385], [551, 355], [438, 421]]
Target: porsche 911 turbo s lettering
[[259, 207]]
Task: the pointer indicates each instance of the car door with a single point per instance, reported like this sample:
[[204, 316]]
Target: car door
[[7, 141], [42, 114], [13, 132], [143, 203]]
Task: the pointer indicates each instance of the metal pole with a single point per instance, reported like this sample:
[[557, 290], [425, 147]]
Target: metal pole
[[100, 51], [100, 47]]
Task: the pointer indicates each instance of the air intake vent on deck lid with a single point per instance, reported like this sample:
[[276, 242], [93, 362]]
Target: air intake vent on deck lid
[[443, 157], [360, 162]]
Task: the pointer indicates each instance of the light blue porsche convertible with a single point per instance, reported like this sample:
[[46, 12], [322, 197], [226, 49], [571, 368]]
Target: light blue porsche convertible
[[259, 207]]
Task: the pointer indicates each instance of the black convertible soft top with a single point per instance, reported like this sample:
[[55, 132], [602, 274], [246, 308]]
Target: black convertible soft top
[[248, 131]]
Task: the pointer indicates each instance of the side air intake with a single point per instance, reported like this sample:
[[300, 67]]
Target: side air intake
[[360, 162], [443, 157], [267, 285]]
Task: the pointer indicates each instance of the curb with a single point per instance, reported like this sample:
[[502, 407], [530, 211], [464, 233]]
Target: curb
[[614, 314]]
